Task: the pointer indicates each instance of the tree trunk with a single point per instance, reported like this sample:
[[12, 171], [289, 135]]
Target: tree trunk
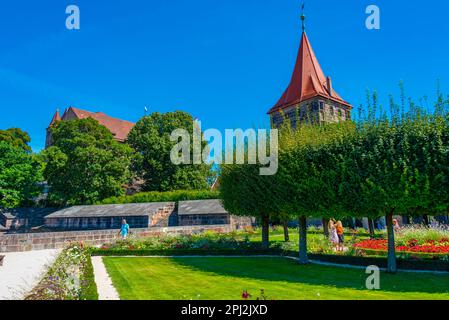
[[303, 259], [391, 245], [265, 232], [326, 227], [286, 235], [405, 220], [426, 220], [371, 227]]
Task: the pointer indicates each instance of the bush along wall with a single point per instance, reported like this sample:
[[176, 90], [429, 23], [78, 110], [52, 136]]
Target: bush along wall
[[168, 196], [71, 277]]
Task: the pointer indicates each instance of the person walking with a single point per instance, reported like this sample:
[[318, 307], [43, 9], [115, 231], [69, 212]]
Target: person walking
[[124, 229]]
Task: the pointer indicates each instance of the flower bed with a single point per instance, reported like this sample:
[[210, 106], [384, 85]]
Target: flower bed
[[71, 277], [244, 243], [205, 241], [430, 249]]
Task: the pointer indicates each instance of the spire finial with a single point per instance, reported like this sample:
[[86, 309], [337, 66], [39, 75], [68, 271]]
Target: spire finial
[[303, 17]]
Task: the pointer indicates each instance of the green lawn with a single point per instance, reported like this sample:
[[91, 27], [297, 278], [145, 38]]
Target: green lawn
[[281, 278]]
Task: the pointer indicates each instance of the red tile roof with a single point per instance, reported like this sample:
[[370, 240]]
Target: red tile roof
[[119, 128], [56, 117], [307, 81]]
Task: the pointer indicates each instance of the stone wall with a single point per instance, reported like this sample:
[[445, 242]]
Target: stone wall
[[53, 240], [162, 216], [315, 110]]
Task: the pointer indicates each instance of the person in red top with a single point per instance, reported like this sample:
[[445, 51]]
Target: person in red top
[[340, 234]]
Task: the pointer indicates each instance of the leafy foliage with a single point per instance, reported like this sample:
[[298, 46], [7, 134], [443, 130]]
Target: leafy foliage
[[16, 137], [155, 196], [307, 188], [20, 174], [85, 164], [150, 138], [244, 192]]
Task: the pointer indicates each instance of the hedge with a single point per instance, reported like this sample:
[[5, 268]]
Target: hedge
[[168, 196], [88, 286]]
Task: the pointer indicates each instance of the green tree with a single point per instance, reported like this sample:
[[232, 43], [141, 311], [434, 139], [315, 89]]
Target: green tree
[[150, 138], [16, 137], [20, 174], [307, 189], [244, 192], [388, 168], [85, 163]]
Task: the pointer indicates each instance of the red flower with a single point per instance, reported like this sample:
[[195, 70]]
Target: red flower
[[245, 295], [440, 247]]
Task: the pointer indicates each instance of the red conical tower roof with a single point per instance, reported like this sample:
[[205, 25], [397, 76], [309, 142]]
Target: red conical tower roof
[[307, 81], [56, 117]]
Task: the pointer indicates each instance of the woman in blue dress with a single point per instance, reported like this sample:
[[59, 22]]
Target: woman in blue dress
[[124, 229]]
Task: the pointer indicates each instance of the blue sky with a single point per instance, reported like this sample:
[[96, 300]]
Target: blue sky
[[225, 61]]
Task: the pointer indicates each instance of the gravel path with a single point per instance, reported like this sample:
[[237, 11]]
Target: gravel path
[[105, 288], [21, 271]]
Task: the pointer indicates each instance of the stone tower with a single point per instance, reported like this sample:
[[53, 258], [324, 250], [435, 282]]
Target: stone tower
[[310, 96], [49, 140]]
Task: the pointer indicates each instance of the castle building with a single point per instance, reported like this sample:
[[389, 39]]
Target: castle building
[[119, 128], [310, 96]]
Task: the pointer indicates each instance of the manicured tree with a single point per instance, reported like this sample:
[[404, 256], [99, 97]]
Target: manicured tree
[[293, 176], [393, 167], [85, 163], [305, 192], [150, 138], [20, 173], [377, 176], [244, 192]]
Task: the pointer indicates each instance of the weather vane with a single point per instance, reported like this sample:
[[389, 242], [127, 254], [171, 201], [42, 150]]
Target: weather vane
[[303, 17]]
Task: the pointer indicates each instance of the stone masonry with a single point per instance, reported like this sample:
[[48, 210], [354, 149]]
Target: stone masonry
[[54, 240]]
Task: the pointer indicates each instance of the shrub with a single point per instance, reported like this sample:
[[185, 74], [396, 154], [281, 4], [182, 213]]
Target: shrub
[[205, 241], [168, 196]]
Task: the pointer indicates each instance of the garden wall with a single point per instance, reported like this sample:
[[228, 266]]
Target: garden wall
[[53, 240]]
